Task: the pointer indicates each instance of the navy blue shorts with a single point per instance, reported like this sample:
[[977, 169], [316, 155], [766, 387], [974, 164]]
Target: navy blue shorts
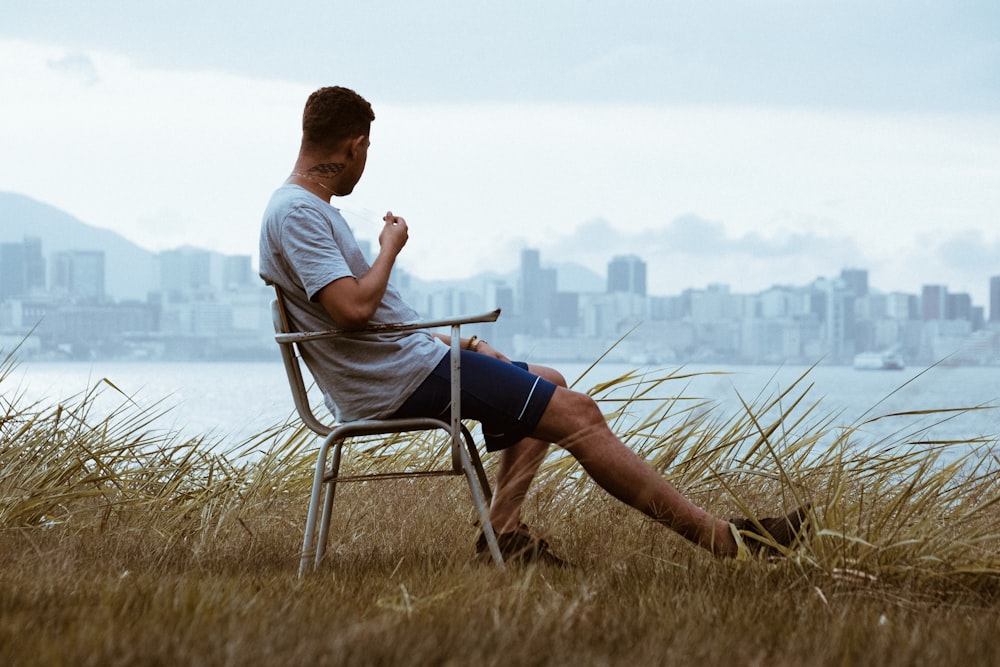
[[504, 398]]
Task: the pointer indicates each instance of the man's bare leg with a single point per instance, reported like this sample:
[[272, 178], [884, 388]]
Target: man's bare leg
[[574, 421], [519, 464]]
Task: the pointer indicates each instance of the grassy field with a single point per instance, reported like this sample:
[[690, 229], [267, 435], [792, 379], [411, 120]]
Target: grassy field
[[122, 544]]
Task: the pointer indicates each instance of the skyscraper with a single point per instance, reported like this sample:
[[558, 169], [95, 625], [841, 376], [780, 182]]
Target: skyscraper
[[627, 273], [237, 271], [537, 290], [79, 273], [958, 306], [34, 265], [856, 281], [995, 299], [11, 270], [184, 271], [933, 302]]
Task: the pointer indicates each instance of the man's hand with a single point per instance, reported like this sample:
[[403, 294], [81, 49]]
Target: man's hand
[[394, 234], [487, 349]]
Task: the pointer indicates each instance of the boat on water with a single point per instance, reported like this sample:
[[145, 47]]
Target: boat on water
[[889, 360]]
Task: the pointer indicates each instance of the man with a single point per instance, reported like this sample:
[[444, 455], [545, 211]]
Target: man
[[307, 249]]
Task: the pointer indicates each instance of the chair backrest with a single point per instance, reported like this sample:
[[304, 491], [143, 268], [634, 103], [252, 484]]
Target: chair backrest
[[287, 339], [293, 369]]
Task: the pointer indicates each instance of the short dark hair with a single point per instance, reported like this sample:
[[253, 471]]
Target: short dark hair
[[333, 114]]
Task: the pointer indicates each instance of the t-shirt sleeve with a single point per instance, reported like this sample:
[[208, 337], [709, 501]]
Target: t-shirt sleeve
[[308, 241]]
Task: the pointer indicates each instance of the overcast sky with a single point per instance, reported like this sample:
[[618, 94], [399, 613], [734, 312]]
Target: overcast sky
[[741, 142]]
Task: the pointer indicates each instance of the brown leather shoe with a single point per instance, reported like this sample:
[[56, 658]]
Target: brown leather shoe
[[519, 547], [786, 531]]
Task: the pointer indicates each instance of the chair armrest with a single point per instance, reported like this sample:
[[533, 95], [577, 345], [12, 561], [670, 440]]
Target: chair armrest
[[305, 336]]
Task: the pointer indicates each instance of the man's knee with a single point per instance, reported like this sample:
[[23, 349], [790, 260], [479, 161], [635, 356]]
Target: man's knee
[[571, 418], [550, 374], [576, 405], [567, 414]]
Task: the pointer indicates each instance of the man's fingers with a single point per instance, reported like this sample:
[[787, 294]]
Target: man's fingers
[[393, 219]]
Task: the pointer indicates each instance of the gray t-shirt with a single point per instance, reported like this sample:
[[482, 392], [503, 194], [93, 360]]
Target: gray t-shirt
[[305, 244]]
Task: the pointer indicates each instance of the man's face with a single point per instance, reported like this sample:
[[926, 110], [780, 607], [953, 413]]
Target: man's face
[[355, 166]]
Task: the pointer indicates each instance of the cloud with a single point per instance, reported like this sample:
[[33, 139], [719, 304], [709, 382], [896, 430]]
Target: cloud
[[962, 260], [687, 234], [969, 250], [693, 235], [77, 65], [625, 62], [691, 250], [800, 243], [840, 53]]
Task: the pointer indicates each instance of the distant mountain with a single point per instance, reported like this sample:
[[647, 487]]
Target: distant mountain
[[129, 269], [573, 277]]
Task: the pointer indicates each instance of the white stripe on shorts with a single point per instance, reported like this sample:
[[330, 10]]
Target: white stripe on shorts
[[528, 400]]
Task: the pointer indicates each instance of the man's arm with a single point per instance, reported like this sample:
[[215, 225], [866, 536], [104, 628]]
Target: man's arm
[[352, 302], [482, 347]]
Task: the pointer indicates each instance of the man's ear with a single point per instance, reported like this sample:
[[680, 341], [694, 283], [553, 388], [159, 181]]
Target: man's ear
[[356, 145]]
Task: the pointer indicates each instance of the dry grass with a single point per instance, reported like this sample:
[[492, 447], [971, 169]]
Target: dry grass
[[122, 544]]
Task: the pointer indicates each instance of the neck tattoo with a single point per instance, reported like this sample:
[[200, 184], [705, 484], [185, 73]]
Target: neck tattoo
[[312, 179]]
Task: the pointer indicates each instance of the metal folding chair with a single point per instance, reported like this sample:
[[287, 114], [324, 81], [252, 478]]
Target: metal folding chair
[[464, 456]]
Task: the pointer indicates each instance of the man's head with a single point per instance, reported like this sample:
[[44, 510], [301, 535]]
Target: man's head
[[332, 115], [335, 127]]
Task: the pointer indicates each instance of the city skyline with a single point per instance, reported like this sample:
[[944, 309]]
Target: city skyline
[[615, 275], [208, 305], [204, 305]]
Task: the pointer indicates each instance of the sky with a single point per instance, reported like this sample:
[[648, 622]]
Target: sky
[[745, 143]]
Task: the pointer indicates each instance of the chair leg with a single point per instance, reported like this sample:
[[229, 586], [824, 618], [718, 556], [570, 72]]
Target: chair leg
[[308, 543], [482, 507], [331, 489], [484, 482]]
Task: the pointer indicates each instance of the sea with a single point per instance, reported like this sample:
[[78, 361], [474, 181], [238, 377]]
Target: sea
[[228, 403]]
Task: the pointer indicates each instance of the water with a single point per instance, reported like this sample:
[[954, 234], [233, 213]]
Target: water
[[871, 401], [223, 401], [230, 402]]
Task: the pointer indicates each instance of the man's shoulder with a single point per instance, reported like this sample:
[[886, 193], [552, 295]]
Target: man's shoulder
[[291, 207], [290, 197]]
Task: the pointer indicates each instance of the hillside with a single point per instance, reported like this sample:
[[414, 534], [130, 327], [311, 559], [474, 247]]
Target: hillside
[[129, 268]]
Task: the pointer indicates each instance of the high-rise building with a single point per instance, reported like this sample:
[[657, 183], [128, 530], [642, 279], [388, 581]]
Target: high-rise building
[[995, 299], [958, 306], [840, 322], [901, 306], [856, 281], [933, 302], [79, 274], [22, 268], [497, 294], [34, 265], [237, 271], [565, 313], [536, 290], [11, 270], [184, 271], [627, 273]]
